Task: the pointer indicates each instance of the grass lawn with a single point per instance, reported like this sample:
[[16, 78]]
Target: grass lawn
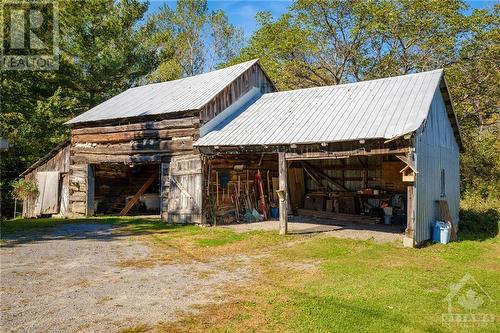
[[316, 283]]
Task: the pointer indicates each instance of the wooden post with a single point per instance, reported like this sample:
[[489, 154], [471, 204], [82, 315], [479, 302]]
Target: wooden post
[[90, 190], [409, 238], [283, 197]]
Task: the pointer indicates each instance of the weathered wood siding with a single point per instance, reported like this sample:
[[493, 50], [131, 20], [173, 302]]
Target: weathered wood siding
[[185, 189], [142, 142], [60, 161], [253, 77], [159, 141], [78, 189], [145, 142]]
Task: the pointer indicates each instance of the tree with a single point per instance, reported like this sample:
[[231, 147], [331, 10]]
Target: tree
[[473, 82], [197, 38], [108, 45], [326, 42], [104, 49]]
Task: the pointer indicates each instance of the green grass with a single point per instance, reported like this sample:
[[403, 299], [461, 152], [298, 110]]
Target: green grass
[[363, 286], [357, 286], [322, 284]]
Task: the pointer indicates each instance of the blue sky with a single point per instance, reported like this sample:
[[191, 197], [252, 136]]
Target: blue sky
[[242, 12]]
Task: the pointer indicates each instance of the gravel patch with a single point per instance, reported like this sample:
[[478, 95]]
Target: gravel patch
[[68, 279], [309, 225]]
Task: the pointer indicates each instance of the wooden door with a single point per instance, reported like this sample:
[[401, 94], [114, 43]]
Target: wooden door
[[185, 190]]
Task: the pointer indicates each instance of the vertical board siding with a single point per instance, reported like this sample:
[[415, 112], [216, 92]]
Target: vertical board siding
[[253, 77], [164, 188], [436, 149], [185, 190], [59, 162]]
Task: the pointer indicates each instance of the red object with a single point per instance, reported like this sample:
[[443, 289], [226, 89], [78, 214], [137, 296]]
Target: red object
[[262, 199]]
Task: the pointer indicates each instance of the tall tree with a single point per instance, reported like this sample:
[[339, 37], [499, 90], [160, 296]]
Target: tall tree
[[108, 44], [473, 80], [200, 39], [336, 41], [104, 49], [322, 42]]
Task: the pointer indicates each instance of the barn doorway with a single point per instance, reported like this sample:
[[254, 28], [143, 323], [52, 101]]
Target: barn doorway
[[126, 189]]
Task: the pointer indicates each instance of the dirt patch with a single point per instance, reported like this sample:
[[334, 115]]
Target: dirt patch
[[83, 278]]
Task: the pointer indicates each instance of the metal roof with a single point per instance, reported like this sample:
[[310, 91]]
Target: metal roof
[[190, 93], [383, 108]]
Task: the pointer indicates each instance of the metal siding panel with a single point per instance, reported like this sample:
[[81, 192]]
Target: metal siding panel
[[435, 151], [383, 108]]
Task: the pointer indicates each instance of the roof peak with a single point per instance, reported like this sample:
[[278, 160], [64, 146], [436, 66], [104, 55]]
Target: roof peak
[[190, 93], [439, 70], [249, 63]]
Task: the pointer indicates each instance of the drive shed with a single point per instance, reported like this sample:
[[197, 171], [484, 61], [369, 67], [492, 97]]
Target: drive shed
[[393, 135], [133, 154]]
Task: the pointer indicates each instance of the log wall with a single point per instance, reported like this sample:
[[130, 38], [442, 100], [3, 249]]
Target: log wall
[[154, 141], [150, 142]]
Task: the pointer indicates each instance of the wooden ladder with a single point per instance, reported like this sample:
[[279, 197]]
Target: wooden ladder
[[137, 196]]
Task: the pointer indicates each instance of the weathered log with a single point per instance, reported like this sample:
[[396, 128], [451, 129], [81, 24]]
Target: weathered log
[[133, 135], [79, 207], [148, 146], [149, 125], [79, 167], [78, 196], [100, 158]]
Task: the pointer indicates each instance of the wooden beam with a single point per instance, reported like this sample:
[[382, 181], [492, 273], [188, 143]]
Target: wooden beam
[[137, 196], [343, 154], [283, 193], [135, 147], [306, 169], [410, 213]]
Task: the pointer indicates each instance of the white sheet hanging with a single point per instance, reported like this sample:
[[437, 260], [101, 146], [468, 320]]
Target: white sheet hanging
[[48, 193]]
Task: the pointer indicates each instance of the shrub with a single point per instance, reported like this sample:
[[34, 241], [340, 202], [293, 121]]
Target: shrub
[[479, 216], [24, 189]]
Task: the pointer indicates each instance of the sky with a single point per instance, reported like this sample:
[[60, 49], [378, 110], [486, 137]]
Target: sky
[[242, 12]]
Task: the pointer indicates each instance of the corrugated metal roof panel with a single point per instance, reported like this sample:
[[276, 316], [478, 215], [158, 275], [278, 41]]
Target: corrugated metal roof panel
[[383, 108], [190, 93]]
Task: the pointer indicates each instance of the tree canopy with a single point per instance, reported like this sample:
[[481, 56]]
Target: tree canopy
[[323, 42]]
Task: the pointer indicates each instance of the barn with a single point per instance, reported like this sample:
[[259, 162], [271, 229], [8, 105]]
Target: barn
[[386, 148], [133, 154], [225, 147]]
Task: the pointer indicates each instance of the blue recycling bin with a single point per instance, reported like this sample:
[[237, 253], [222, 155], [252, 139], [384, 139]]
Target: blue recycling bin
[[441, 232]]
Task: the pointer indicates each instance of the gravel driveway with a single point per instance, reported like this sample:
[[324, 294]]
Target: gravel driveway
[[68, 278]]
